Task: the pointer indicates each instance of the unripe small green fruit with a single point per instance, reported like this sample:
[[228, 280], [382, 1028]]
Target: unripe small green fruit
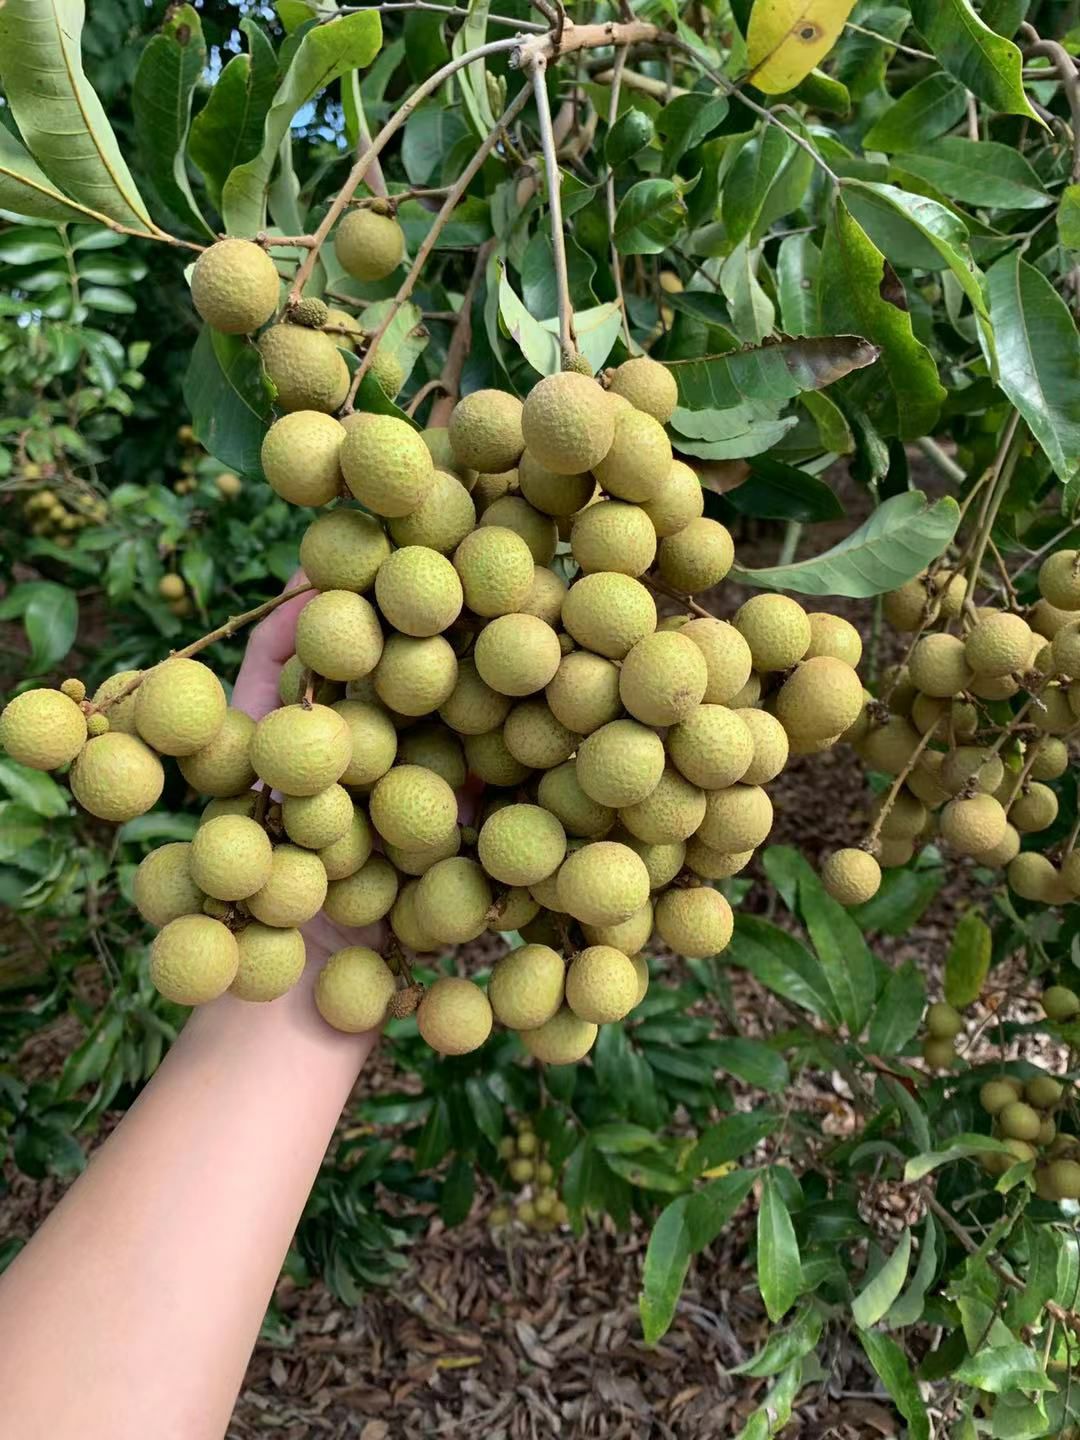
[[938, 1054], [1063, 1177], [521, 1171], [1060, 1003], [942, 1021], [994, 1095], [1043, 1091], [1019, 1121]]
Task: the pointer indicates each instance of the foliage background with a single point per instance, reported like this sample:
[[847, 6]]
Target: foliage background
[[95, 331]]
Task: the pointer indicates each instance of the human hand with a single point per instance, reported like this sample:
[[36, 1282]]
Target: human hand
[[270, 644]]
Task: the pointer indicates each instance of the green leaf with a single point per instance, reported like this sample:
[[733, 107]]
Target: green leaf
[[686, 121], [19, 829], [87, 1062], [472, 79], [710, 1209], [978, 172], [779, 1268], [771, 373], [325, 53], [879, 1292], [539, 346], [667, 1259], [968, 963], [228, 130], [58, 114], [458, 1189], [899, 540], [751, 309], [169, 69], [797, 264], [630, 134], [25, 189], [747, 184], [1023, 1307], [597, 329], [784, 1346], [730, 1139], [908, 1309], [891, 1365], [898, 1014], [999, 1368], [776, 491], [989, 65], [1068, 217], [931, 236], [902, 899], [782, 964], [34, 789], [962, 1147], [773, 1414], [854, 279], [229, 398], [729, 434], [1038, 357], [650, 216], [922, 113], [750, 1061], [845, 958]]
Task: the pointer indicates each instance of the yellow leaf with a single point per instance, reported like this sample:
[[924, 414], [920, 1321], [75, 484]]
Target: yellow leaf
[[787, 38]]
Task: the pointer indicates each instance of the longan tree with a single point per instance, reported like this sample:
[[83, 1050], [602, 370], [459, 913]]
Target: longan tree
[[679, 261]]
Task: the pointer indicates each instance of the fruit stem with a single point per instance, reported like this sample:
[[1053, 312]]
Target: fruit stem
[[230, 627], [381, 140], [609, 191], [1068, 1318], [1004, 464], [450, 204], [651, 583], [567, 338], [874, 833], [449, 380]]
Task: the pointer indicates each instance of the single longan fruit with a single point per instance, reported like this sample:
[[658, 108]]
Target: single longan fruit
[[994, 1095], [943, 1021], [777, 630], [601, 985], [193, 960], [526, 987], [851, 876], [1060, 1003], [163, 888], [454, 1016], [271, 962], [1059, 580], [1018, 1121], [230, 857], [697, 923], [354, 989], [43, 729], [727, 657], [697, 557], [939, 667], [562, 1040], [418, 591]]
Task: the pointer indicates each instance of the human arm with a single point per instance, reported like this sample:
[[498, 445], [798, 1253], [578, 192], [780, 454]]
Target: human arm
[[134, 1309]]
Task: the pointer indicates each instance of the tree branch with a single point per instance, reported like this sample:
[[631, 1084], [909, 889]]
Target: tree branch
[[450, 379], [450, 204], [567, 339], [609, 192], [230, 627], [1065, 66], [381, 140]]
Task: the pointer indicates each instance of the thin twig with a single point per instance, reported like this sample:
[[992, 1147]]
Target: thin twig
[[609, 191], [381, 140], [230, 627], [1004, 464], [450, 379], [652, 583], [567, 338], [887, 40], [1065, 66], [874, 833], [450, 204], [1064, 1317], [451, 10]]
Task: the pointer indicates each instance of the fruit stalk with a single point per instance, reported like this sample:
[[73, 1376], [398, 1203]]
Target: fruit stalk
[[887, 804], [230, 627], [609, 192], [567, 338], [453, 198], [381, 140]]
